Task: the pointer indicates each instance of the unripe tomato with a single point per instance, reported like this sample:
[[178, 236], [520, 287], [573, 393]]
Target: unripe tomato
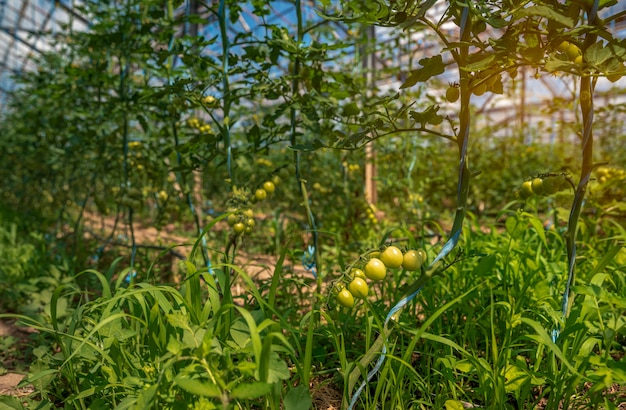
[[573, 51], [250, 222], [358, 287], [238, 228], [391, 257], [549, 186], [422, 253], [452, 94], [269, 187], [345, 298], [563, 47], [357, 273], [260, 194], [232, 219], [480, 89], [537, 186], [276, 179], [526, 191], [248, 230], [249, 213], [412, 260], [375, 269], [578, 60], [613, 77], [561, 182]]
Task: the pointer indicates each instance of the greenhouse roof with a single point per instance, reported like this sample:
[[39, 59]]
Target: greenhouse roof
[[24, 25]]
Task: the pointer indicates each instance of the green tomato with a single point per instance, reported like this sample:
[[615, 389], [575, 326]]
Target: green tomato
[[375, 269], [276, 179], [357, 273], [232, 219], [392, 257], [269, 187], [412, 260], [239, 228], [573, 52], [613, 77], [549, 186], [260, 194], [249, 213], [422, 253], [526, 191], [250, 222], [345, 298], [358, 287], [561, 182], [537, 186], [563, 47], [480, 89], [452, 94]]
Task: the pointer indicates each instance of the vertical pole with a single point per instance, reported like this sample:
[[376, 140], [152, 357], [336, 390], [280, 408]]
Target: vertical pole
[[368, 63], [522, 108]]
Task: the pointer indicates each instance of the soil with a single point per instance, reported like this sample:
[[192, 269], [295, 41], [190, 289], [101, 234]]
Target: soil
[[10, 381]]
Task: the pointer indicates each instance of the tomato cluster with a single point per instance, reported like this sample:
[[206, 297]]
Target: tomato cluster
[[571, 51], [375, 269], [543, 185], [609, 174], [130, 197], [371, 214], [241, 220], [199, 125]]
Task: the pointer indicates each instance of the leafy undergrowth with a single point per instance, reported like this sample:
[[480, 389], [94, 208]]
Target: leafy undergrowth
[[486, 333]]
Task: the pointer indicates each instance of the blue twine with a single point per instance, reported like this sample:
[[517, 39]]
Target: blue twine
[[383, 353], [447, 248], [131, 275], [308, 261]]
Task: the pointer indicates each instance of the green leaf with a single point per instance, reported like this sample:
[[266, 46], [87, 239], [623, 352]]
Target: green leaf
[[485, 266], [515, 378], [178, 320], [240, 333], [278, 369], [536, 223], [195, 386], [174, 346], [10, 403], [251, 390], [431, 66], [428, 116], [514, 227], [454, 405], [298, 398], [546, 12]]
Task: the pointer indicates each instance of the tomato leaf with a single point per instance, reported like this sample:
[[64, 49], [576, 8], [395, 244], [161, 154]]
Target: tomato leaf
[[431, 67], [428, 116], [546, 12]]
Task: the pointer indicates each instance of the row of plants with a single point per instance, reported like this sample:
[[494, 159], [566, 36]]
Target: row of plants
[[162, 132], [484, 335]]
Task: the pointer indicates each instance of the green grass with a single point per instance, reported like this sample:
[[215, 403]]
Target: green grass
[[479, 333]]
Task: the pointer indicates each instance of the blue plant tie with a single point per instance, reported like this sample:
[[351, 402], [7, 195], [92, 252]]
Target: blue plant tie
[[308, 261], [447, 248], [131, 275]]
